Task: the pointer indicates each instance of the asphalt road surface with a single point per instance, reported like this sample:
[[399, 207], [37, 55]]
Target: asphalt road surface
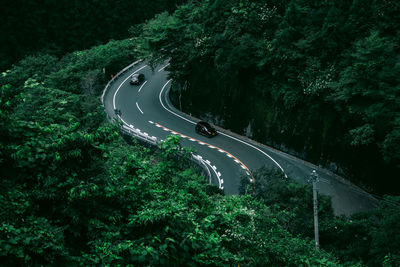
[[146, 109]]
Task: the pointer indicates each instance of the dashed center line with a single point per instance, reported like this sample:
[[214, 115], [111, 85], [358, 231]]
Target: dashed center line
[[244, 167]]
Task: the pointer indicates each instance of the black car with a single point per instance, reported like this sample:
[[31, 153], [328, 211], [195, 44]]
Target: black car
[[205, 129], [137, 78]]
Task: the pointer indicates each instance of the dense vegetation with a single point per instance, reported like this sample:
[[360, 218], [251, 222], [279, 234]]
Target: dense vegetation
[[317, 78], [365, 238], [62, 26], [73, 192]]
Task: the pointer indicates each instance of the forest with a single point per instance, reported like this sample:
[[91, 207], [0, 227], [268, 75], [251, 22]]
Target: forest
[[57, 27], [75, 192], [318, 79]]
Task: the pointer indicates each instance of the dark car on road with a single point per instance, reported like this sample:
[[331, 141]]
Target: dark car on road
[[205, 129], [137, 78]]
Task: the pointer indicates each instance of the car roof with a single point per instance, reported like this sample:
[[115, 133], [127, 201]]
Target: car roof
[[204, 123]]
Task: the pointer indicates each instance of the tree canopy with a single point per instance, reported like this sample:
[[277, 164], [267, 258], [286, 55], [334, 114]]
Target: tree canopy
[[74, 192], [319, 79], [57, 27]]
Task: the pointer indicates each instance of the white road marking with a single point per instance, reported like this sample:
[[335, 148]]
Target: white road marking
[[191, 139], [151, 122], [142, 86], [119, 87], [201, 143], [234, 138], [215, 171], [221, 151], [163, 67], [265, 154], [207, 162], [137, 105], [114, 106], [170, 111], [124, 122], [159, 97]]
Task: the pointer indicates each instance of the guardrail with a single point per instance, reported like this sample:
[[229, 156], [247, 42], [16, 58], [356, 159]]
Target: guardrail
[[132, 131], [138, 134], [199, 160]]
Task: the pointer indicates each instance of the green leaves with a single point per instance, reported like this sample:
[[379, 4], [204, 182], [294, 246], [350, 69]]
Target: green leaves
[[363, 135], [74, 193], [316, 78], [32, 240]]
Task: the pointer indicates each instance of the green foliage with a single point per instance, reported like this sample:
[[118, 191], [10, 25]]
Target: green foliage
[[292, 201], [369, 239], [56, 28], [316, 78], [74, 193], [33, 240]]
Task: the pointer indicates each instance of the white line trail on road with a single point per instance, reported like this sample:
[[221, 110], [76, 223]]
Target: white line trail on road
[[163, 67], [234, 138], [142, 86], [119, 87], [137, 105]]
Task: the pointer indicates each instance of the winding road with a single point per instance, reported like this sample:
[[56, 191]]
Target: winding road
[[145, 110]]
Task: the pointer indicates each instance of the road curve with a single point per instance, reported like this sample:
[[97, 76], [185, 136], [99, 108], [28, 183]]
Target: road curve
[[146, 108]]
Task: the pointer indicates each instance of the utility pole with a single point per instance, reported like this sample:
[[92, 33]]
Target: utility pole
[[314, 180]]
